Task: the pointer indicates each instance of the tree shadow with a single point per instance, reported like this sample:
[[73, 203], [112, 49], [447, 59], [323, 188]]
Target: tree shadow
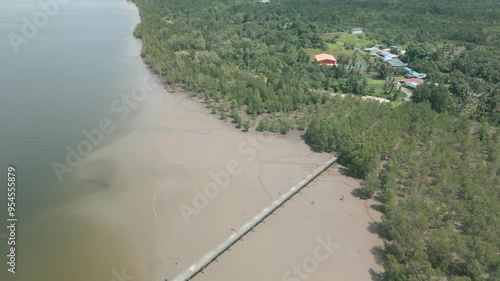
[[376, 276], [343, 171], [377, 196], [379, 253], [374, 228], [363, 194], [356, 192], [377, 207]]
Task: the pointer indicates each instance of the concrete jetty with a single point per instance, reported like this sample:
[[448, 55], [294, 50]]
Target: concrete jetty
[[213, 254]]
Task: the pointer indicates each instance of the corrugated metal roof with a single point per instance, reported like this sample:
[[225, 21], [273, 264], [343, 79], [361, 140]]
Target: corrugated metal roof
[[414, 80], [411, 85], [320, 57], [396, 63]]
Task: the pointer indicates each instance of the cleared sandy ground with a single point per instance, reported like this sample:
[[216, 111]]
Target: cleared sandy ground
[[286, 245], [122, 215]]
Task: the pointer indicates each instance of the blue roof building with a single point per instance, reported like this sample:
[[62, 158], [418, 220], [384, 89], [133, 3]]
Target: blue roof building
[[415, 74], [372, 49], [396, 63], [388, 55]]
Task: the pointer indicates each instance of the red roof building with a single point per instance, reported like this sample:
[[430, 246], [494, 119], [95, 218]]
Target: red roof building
[[383, 50], [417, 81], [325, 59]]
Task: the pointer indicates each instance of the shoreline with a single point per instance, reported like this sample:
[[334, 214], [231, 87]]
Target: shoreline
[[170, 271], [162, 157]]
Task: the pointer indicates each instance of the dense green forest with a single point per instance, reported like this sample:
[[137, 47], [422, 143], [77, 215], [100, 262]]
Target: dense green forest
[[252, 55], [438, 177], [434, 162]]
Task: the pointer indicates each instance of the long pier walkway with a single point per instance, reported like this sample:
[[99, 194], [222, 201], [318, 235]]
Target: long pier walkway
[[213, 254]]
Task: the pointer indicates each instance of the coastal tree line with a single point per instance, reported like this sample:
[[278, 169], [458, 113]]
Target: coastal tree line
[[433, 163], [437, 176]]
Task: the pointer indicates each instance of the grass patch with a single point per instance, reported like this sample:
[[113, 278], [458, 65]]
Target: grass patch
[[333, 49], [336, 47], [377, 85], [358, 40]]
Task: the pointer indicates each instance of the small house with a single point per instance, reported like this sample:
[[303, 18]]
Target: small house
[[388, 55], [412, 86], [396, 63], [413, 74], [383, 50], [356, 30], [326, 59], [417, 81], [373, 49]]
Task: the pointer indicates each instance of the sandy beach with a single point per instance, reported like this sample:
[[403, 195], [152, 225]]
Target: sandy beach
[[139, 203], [284, 240], [283, 248], [172, 181]]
